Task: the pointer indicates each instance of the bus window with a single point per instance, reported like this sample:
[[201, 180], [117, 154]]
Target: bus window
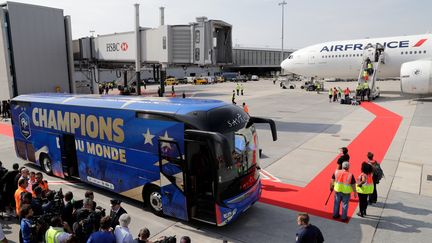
[[240, 143]]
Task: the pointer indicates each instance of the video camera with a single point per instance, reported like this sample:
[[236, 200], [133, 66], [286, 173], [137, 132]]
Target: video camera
[[57, 203]]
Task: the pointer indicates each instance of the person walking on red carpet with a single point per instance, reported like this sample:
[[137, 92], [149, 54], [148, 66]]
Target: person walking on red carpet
[[377, 176], [364, 187], [344, 156], [343, 183]]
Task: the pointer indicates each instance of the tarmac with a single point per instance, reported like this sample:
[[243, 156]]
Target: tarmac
[[310, 132]]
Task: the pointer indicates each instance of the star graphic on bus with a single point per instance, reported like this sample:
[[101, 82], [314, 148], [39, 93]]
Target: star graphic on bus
[[148, 137], [167, 138]]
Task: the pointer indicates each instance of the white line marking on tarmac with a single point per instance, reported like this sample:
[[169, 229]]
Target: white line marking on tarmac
[[267, 176]]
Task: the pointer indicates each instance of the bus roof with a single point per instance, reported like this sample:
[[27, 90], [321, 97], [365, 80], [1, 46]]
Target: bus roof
[[178, 106], [204, 114]]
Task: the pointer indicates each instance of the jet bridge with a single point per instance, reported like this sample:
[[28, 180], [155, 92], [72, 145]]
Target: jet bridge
[[203, 43]]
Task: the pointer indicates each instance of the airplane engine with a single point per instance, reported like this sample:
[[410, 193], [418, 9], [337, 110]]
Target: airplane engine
[[416, 77]]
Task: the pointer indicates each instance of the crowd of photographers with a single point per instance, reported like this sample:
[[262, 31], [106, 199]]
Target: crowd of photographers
[[49, 216]]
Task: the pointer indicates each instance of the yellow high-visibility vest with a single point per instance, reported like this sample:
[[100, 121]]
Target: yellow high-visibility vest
[[366, 188], [51, 235], [343, 181]]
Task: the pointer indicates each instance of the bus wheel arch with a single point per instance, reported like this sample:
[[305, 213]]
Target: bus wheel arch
[[45, 163], [152, 198]]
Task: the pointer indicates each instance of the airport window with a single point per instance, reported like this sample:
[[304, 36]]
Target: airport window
[[197, 54], [164, 42], [197, 36]]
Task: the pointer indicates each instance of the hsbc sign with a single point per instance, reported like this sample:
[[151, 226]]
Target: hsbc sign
[[115, 47]]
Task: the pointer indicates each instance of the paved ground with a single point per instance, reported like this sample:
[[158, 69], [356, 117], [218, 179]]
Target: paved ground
[[309, 129]]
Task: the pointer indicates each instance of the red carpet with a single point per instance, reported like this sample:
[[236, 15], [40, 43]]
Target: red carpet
[[376, 137], [6, 129]]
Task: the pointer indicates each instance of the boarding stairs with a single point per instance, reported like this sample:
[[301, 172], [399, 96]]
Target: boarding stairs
[[376, 56]]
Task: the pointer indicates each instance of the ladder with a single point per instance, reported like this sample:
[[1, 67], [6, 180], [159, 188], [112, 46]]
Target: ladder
[[376, 56]]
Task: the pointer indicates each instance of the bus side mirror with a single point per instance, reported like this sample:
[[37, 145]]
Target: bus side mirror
[[254, 119]]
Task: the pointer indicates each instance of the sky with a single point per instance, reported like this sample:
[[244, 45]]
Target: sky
[[257, 23]]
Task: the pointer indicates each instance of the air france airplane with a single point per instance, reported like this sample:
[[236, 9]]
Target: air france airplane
[[407, 57]]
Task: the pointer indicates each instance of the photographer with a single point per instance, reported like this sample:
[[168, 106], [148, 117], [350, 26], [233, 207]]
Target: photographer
[[54, 203], [37, 201], [88, 221], [90, 194], [49, 204], [26, 213], [56, 233]]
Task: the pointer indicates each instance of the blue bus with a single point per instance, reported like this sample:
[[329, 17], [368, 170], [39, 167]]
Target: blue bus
[[185, 158]]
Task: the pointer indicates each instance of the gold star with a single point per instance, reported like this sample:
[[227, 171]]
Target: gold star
[[148, 137], [166, 137]]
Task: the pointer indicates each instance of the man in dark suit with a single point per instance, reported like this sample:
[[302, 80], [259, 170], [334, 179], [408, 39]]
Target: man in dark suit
[[116, 212], [68, 209]]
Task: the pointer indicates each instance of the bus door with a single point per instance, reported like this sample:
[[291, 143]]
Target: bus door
[[69, 156], [201, 180], [172, 179]]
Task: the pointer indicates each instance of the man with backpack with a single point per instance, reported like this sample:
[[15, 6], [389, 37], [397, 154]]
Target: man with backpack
[[377, 176]]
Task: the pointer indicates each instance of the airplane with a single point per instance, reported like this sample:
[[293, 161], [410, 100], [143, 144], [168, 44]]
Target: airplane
[[406, 57]]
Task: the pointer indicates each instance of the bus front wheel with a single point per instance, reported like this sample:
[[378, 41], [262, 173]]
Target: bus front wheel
[[154, 200], [46, 164]]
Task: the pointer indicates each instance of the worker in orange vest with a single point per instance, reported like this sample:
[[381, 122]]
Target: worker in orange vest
[[22, 185], [347, 92], [343, 183], [40, 182], [245, 108]]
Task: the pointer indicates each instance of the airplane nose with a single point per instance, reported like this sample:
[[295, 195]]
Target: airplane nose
[[285, 64]]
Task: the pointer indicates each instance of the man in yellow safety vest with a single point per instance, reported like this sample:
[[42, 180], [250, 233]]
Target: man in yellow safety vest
[[343, 183], [56, 233]]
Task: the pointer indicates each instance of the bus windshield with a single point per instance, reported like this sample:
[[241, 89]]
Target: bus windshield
[[239, 174]]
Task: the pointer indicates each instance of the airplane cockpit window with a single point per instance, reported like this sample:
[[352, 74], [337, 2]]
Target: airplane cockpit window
[[290, 57]]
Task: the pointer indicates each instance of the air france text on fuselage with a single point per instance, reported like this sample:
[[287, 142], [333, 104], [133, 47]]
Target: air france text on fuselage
[[359, 46]]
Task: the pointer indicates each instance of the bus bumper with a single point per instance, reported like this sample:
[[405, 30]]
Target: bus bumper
[[235, 206]]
